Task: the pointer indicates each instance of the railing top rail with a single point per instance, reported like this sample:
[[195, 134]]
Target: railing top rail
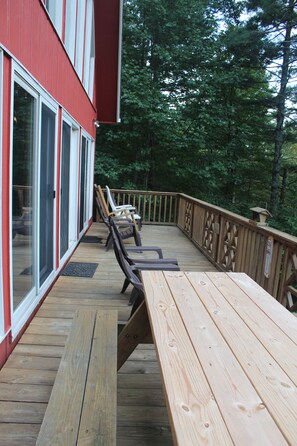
[[275, 233], [144, 192]]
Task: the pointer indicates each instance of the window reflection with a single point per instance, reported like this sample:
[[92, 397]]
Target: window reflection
[[22, 199]]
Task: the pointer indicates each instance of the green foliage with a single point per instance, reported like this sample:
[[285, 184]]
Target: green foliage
[[198, 111]]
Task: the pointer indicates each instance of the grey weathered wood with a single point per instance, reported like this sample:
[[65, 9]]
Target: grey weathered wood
[[83, 401], [98, 421]]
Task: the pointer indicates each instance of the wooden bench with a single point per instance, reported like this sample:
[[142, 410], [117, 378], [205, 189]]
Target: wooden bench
[[82, 406]]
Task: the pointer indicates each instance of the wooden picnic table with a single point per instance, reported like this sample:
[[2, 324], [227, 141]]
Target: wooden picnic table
[[228, 357]]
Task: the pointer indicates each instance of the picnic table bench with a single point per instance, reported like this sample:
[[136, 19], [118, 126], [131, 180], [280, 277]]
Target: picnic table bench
[[82, 405], [228, 357]]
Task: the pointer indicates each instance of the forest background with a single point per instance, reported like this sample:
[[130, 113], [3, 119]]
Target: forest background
[[209, 104]]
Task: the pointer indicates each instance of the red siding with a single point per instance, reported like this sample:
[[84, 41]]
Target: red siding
[[3, 352], [27, 32], [107, 20]]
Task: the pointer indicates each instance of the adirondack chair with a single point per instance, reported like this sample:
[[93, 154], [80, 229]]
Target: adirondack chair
[[127, 226], [120, 210], [131, 272]]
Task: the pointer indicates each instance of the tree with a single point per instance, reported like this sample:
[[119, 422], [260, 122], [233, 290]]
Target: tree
[[198, 110], [277, 19]]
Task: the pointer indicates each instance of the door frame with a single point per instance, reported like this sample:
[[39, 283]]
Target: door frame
[[2, 322]]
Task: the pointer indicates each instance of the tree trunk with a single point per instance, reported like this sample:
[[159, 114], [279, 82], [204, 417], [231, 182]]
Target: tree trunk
[[280, 115], [282, 195]]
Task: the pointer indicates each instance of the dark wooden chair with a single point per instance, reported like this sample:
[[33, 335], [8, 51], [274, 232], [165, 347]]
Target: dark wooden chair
[[132, 271], [130, 250]]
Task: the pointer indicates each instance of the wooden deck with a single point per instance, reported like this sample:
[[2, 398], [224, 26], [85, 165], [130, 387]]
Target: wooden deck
[[27, 378]]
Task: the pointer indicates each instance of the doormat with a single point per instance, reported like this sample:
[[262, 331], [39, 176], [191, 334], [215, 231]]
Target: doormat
[[27, 271], [91, 239], [79, 269]]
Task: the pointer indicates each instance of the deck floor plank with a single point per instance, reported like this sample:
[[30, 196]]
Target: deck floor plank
[[27, 378]]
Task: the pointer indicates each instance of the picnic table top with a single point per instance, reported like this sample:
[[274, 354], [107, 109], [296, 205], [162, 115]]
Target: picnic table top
[[228, 357]]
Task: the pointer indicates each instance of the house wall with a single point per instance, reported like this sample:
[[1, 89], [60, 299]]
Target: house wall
[[34, 58], [27, 32]]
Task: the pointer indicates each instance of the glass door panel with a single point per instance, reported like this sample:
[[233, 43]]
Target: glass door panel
[[83, 183], [23, 205], [65, 178], [46, 214]]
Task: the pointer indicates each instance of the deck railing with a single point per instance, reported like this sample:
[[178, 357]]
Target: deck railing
[[231, 242], [154, 207]]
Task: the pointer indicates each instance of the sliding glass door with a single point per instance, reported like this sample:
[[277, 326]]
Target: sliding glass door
[[64, 191], [47, 193], [84, 179], [69, 186], [23, 198], [33, 196]]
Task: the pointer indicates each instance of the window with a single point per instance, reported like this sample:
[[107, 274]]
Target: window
[[70, 28], [89, 60], [80, 36], [55, 10], [1, 284], [92, 63]]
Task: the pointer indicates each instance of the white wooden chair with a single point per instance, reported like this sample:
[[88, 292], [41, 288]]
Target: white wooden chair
[[122, 210]]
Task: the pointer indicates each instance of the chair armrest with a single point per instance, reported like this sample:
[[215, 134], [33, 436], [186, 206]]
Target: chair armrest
[[122, 221], [154, 261], [145, 249], [129, 207], [155, 266]]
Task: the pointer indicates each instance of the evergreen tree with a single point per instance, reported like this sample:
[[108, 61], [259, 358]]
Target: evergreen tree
[[277, 20]]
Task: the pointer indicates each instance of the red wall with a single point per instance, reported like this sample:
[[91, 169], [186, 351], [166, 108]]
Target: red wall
[[107, 19], [27, 33]]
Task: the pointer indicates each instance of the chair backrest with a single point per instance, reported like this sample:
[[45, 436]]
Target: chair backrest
[[119, 238], [110, 199], [124, 265], [100, 210], [102, 201]]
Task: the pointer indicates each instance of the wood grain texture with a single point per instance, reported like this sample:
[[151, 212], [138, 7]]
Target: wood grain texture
[[246, 417], [276, 312], [19, 434], [196, 418], [134, 332], [61, 421], [276, 390], [276, 342], [98, 419]]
